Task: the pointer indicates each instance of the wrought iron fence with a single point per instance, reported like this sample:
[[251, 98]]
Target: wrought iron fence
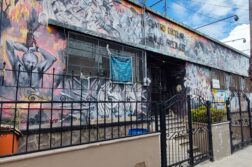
[[239, 115], [43, 111], [41, 125]]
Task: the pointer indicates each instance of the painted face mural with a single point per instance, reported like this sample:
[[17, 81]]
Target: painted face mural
[[29, 48], [34, 51]]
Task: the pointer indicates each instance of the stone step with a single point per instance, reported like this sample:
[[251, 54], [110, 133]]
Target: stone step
[[185, 143], [195, 149]]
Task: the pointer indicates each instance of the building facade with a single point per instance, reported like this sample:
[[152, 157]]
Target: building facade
[[59, 50]]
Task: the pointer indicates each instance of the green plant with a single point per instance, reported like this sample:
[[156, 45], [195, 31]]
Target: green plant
[[200, 115]]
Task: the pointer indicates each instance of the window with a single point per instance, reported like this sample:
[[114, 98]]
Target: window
[[227, 77], [234, 82], [89, 56], [247, 84], [219, 75], [82, 55]]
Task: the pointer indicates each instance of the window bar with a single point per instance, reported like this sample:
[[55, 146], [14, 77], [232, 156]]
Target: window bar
[[72, 79], [61, 122], [81, 110], [118, 120], [3, 73], [104, 103], [136, 116], [51, 121], [105, 116], [131, 113], [147, 116], [31, 76], [142, 114], [40, 116], [63, 84], [96, 104], [112, 129], [97, 122], [89, 122], [27, 127], [42, 79], [71, 135], [125, 124], [15, 111]]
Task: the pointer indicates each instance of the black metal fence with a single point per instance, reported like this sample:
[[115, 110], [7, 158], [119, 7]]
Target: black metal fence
[[185, 124], [48, 125], [185, 130], [239, 115], [42, 111]]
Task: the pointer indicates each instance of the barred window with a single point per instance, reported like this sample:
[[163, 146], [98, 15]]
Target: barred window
[[247, 84], [89, 56], [219, 75], [234, 82]]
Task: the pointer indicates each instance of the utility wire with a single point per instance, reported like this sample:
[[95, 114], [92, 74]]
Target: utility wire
[[204, 15], [155, 3], [199, 13]]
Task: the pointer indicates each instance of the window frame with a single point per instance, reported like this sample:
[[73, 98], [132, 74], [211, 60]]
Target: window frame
[[137, 55]]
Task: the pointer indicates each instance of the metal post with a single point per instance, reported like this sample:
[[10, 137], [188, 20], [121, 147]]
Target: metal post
[[230, 123], [163, 136], [51, 112], [240, 120], [15, 114], [191, 159], [209, 127], [250, 123]]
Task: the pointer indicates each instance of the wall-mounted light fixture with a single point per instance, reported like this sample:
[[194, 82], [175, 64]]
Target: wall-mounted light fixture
[[236, 18], [243, 40]]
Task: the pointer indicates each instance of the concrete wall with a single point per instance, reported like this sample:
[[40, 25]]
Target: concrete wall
[[139, 151], [221, 140]]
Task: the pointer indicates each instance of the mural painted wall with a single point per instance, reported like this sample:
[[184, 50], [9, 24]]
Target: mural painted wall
[[28, 45], [122, 21], [32, 51], [198, 80]]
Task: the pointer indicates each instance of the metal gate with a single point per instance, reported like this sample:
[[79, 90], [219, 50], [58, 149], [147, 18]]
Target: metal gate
[[184, 139], [239, 115]]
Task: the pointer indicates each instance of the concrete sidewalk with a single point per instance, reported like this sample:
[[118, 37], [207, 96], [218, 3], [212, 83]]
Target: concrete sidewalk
[[242, 158]]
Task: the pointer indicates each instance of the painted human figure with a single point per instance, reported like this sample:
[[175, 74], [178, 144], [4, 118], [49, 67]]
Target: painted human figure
[[31, 68]]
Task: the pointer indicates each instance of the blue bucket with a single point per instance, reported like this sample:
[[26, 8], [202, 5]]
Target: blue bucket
[[137, 131]]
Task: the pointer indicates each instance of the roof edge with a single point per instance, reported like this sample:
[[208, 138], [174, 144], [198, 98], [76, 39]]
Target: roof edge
[[188, 28]]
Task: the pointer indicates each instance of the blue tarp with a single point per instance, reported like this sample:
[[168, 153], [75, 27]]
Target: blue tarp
[[121, 69]]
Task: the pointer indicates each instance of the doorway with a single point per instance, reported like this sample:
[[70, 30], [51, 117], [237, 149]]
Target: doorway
[[166, 74]]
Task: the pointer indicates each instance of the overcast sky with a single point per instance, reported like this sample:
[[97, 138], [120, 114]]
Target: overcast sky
[[194, 13]]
